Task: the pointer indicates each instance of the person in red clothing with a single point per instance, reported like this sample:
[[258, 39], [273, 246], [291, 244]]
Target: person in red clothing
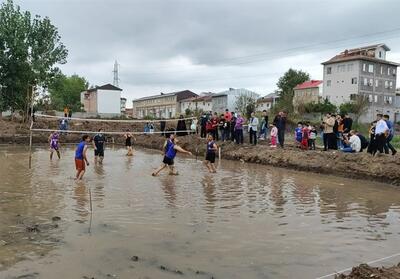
[[305, 137], [214, 123]]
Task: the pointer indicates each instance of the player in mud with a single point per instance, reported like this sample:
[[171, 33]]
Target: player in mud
[[210, 154], [128, 143], [169, 157], [54, 141], [98, 144], [80, 157]]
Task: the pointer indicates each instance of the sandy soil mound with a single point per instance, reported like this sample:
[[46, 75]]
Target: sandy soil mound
[[367, 272]]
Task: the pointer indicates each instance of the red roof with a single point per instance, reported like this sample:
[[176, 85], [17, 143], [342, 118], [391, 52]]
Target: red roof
[[309, 84]]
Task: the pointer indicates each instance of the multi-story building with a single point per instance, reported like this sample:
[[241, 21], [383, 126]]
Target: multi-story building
[[307, 92], [199, 103], [227, 99], [363, 72], [123, 105], [164, 105], [267, 102]]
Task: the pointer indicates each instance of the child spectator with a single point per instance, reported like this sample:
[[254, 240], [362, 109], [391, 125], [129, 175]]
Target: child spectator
[[304, 137], [274, 134], [298, 133], [312, 138]]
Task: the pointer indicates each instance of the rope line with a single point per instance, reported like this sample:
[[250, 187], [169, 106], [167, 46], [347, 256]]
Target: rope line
[[111, 120], [109, 133], [369, 263]]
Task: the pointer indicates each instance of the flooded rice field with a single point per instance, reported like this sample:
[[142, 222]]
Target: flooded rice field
[[246, 221]]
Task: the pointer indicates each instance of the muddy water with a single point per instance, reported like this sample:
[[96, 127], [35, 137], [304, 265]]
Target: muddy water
[[247, 221]]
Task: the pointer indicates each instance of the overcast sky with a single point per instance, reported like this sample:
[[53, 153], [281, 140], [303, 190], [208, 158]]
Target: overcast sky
[[204, 45]]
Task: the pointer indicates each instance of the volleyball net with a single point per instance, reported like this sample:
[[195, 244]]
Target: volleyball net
[[71, 125]]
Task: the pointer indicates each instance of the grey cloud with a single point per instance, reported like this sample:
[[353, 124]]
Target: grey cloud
[[146, 35]]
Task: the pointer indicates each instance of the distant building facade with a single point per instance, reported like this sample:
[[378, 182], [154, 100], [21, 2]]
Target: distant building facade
[[307, 92], [199, 103], [102, 100], [364, 72], [267, 102], [164, 105], [227, 99]]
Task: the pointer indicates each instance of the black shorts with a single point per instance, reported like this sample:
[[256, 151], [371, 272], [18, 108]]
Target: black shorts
[[168, 161], [210, 157], [99, 152]]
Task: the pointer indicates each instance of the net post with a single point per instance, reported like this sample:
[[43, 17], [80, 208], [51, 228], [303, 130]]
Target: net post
[[30, 128], [30, 150], [219, 153]]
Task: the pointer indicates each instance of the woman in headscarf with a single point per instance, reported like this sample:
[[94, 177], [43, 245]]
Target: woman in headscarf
[[181, 127]]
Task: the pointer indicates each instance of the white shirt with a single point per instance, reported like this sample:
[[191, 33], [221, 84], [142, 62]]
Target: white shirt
[[381, 127], [253, 123], [355, 143]]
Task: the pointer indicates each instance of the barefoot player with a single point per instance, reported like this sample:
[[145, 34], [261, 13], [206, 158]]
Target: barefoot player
[[98, 144], [169, 157], [80, 157], [54, 144], [210, 154]]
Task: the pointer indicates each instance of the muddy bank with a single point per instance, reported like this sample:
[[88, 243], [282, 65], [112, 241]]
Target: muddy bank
[[380, 168], [366, 272]]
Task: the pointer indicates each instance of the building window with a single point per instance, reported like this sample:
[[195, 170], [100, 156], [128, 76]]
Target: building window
[[376, 98], [376, 83], [365, 81], [354, 80], [386, 99], [391, 84], [370, 99], [390, 100], [364, 67], [350, 67], [386, 84], [380, 54], [394, 71], [388, 71], [381, 70], [328, 83], [328, 70], [371, 82], [370, 68], [353, 97]]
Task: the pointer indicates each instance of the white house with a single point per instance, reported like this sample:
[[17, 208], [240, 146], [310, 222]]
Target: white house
[[227, 99], [267, 102], [199, 103], [102, 100]]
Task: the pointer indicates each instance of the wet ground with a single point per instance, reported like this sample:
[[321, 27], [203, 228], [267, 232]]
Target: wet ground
[[247, 221]]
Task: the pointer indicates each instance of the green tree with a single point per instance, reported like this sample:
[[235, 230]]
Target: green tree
[[358, 106], [66, 91], [245, 104], [30, 47], [322, 108], [286, 83]]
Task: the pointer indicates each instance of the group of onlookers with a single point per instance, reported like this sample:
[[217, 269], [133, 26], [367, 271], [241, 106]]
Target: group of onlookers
[[335, 131], [230, 126]]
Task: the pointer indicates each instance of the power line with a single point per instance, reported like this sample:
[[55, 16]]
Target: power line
[[279, 53]]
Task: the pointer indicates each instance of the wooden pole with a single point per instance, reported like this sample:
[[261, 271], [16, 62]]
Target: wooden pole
[[219, 153], [91, 210], [30, 135]]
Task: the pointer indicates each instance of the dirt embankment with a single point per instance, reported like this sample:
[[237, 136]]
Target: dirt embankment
[[385, 168], [367, 272]]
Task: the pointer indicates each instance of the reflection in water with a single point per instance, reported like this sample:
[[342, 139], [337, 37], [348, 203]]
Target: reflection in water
[[168, 186], [246, 221], [82, 200], [210, 196]]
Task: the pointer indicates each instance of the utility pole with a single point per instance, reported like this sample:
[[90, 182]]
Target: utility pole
[[116, 77]]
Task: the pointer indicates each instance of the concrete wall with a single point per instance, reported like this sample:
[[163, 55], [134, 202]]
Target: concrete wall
[[109, 101], [200, 105]]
